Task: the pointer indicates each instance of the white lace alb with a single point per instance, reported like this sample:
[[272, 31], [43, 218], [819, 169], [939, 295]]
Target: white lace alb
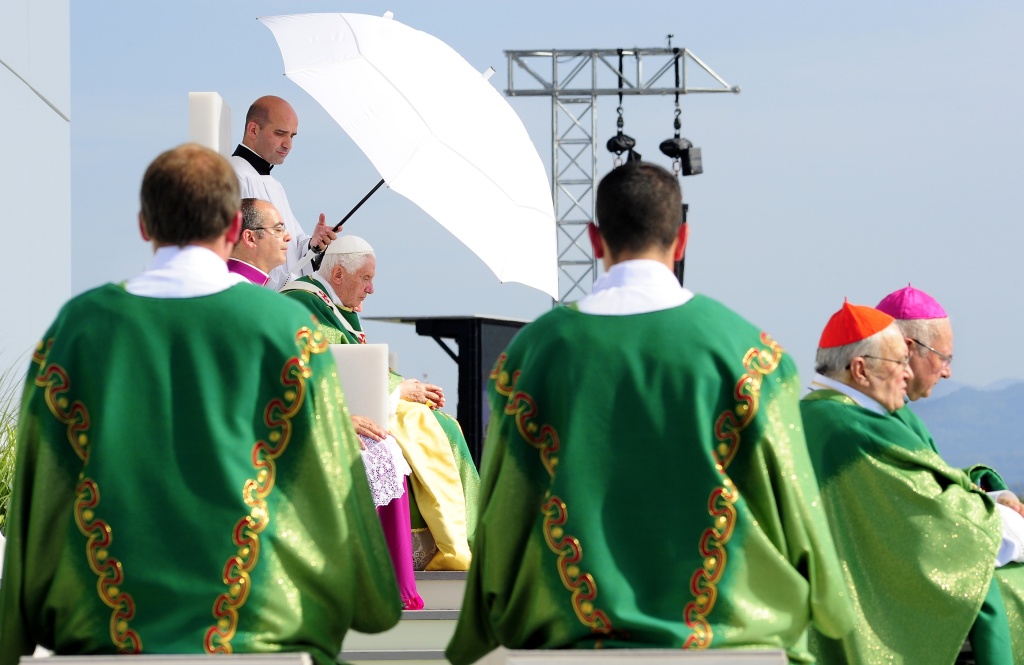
[[385, 469]]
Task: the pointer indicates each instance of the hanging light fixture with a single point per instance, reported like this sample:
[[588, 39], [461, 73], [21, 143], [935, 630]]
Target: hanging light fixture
[[621, 143], [685, 157]]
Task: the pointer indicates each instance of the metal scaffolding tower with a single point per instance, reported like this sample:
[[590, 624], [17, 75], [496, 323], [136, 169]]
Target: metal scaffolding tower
[[576, 79]]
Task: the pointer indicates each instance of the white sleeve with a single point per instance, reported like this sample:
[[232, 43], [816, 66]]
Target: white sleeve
[[393, 400], [1012, 547]]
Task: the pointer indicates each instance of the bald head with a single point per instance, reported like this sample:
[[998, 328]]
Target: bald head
[[270, 126]]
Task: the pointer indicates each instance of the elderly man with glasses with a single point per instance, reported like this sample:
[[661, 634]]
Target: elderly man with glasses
[[444, 481], [929, 338], [262, 244], [918, 541]]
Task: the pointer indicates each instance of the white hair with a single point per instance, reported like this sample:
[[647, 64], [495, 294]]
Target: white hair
[[833, 361], [350, 263], [923, 330]]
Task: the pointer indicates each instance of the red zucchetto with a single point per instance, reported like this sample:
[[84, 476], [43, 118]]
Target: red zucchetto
[[852, 323]]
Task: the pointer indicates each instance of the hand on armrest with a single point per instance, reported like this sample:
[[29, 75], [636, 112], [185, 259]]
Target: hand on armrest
[[1010, 500], [412, 390], [368, 428]]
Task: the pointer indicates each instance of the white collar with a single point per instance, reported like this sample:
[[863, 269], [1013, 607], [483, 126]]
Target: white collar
[[183, 272], [870, 403], [329, 290], [635, 287]]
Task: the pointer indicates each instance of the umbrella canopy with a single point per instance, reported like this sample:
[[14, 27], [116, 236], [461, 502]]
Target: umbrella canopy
[[436, 130]]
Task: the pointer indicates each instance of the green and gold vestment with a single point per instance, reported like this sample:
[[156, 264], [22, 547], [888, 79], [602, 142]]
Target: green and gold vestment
[[188, 481], [917, 538], [646, 484], [982, 475]]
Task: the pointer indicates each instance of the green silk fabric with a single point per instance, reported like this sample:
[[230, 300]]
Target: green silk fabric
[[1011, 585], [983, 476], [189, 481], [646, 484], [333, 328], [907, 416], [916, 538]]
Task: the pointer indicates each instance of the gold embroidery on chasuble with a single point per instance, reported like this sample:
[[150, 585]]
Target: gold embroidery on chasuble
[[758, 363], [56, 384], [245, 536], [580, 583]]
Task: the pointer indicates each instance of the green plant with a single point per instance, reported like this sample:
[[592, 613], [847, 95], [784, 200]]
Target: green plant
[[8, 435]]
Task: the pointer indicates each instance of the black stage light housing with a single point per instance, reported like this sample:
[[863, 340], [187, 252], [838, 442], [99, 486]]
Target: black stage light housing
[[683, 150], [621, 143]]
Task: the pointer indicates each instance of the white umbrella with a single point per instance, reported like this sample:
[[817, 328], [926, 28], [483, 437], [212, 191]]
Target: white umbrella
[[436, 130]]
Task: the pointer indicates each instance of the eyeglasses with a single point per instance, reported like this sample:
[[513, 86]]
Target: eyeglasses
[[905, 360], [276, 230], [946, 360]]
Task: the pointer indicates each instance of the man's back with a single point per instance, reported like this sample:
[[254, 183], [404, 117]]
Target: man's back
[[187, 482], [646, 484]]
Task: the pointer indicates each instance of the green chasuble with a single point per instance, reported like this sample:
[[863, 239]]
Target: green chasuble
[[646, 484], [1010, 577], [320, 304], [984, 476], [188, 481], [916, 537], [445, 483]]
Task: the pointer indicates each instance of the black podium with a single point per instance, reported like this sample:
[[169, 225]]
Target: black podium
[[480, 339]]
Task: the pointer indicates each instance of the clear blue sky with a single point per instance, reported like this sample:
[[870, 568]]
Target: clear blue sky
[[874, 144]]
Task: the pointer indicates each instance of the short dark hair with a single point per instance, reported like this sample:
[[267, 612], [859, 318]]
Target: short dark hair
[[189, 194], [254, 216], [639, 206]]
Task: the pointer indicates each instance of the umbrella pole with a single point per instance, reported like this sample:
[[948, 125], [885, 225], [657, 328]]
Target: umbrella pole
[[318, 256], [358, 205]]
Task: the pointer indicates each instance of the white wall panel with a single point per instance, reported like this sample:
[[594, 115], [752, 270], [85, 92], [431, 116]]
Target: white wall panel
[[35, 43], [14, 51], [35, 174], [49, 31]]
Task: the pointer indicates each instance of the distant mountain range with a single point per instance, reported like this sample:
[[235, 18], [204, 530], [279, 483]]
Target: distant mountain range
[[979, 426]]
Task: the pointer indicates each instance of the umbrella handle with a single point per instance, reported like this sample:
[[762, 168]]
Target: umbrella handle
[[358, 205], [316, 256]]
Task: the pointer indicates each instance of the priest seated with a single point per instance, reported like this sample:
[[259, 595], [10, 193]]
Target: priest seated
[[445, 483], [186, 481], [262, 244], [921, 546], [928, 333]]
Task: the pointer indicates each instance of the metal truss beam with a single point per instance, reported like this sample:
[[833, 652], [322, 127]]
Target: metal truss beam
[[574, 79]]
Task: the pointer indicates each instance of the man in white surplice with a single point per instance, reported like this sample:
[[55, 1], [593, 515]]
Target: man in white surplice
[[270, 126]]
